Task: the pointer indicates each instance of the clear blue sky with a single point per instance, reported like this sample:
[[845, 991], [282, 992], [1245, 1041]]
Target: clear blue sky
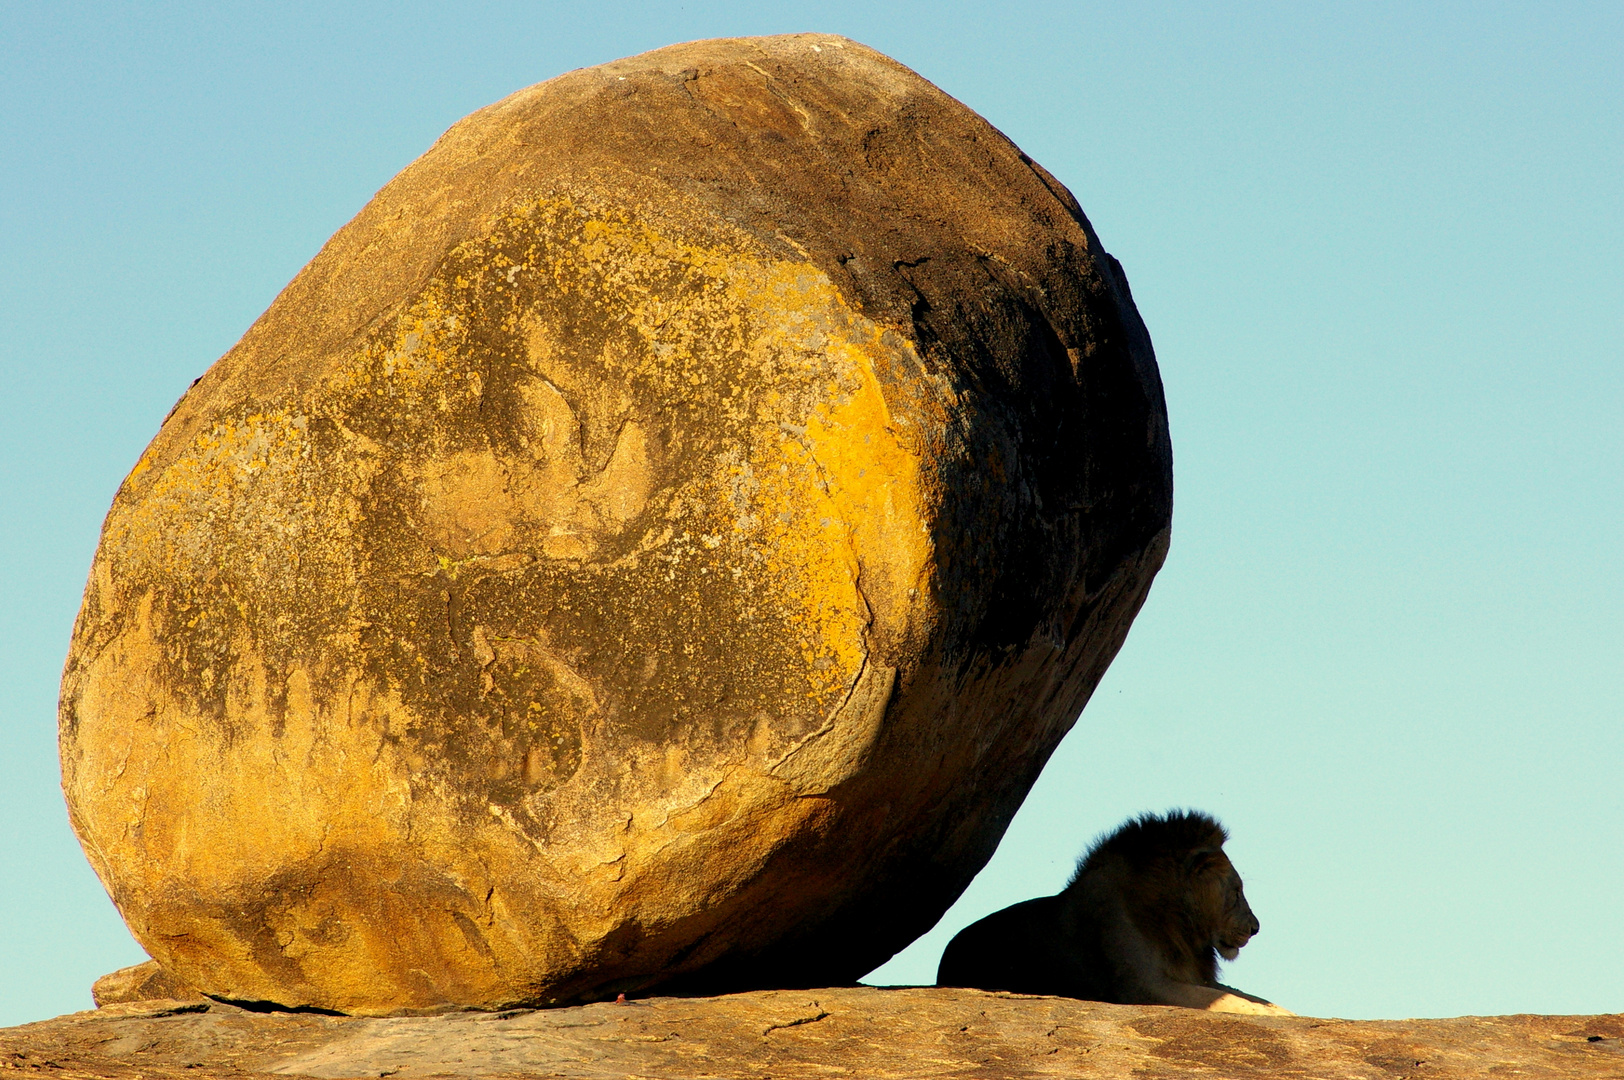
[[1380, 248]]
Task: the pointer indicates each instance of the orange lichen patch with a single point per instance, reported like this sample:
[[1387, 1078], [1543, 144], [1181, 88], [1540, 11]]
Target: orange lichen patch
[[428, 339], [834, 479], [239, 477], [810, 569], [143, 464]]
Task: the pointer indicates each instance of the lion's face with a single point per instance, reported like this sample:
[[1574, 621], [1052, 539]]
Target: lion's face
[[1232, 921]]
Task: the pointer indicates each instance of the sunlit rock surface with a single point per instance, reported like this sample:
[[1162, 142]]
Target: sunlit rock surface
[[788, 1034]]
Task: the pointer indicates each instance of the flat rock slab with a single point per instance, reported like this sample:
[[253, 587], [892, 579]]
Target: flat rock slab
[[856, 1031]]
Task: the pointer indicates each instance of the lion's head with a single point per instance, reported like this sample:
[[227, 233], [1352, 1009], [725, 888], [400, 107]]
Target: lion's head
[[1223, 918], [1179, 887]]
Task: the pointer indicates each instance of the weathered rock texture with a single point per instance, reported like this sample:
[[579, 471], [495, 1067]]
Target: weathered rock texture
[[851, 1031], [143, 982], [657, 542]]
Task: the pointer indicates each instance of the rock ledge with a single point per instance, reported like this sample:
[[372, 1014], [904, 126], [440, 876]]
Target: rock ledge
[[860, 1031]]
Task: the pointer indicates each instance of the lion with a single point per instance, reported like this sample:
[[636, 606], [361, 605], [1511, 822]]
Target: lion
[[1142, 922]]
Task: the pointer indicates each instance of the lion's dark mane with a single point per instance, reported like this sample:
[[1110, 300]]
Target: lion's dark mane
[[1149, 838]]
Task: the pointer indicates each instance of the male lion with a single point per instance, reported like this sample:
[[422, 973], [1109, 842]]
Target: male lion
[[1143, 922]]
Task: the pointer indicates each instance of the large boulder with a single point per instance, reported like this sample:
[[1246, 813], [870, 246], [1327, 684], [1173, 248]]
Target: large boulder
[[658, 542]]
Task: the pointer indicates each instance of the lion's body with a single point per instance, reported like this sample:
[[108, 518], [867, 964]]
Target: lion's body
[[1142, 923]]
